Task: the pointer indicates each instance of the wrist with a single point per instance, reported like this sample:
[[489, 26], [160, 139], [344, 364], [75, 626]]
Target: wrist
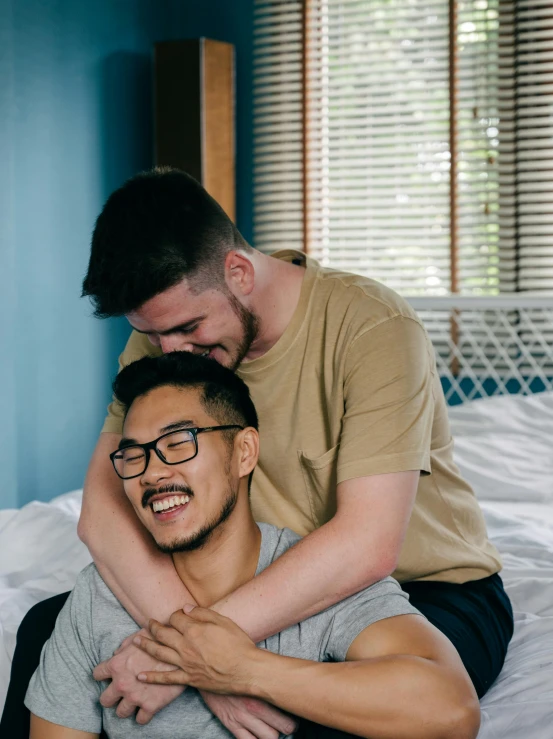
[[269, 672], [257, 668]]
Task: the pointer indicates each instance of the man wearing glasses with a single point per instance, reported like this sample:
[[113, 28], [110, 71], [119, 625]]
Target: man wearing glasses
[[356, 453], [189, 488]]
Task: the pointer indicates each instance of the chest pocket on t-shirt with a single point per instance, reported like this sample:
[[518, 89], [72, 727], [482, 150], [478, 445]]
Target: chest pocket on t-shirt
[[319, 475]]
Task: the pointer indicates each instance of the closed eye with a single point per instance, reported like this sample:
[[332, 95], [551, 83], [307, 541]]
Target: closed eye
[[187, 330]]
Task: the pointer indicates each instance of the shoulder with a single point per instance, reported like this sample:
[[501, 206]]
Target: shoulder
[[274, 542], [363, 302], [349, 618], [383, 599], [91, 592], [96, 614], [362, 299]]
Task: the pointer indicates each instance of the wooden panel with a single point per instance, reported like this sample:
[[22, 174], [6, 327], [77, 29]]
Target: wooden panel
[[194, 113], [177, 96], [218, 128]]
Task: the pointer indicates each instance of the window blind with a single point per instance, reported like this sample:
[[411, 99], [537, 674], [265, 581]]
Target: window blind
[[378, 140], [353, 140], [278, 125], [475, 119], [526, 149]]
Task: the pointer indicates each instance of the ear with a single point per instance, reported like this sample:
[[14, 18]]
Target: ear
[[247, 442], [239, 273]]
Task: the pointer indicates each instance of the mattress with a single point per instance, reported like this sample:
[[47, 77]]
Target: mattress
[[503, 446]]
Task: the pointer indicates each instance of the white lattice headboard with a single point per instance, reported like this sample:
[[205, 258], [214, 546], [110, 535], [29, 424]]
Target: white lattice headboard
[[490, 345]]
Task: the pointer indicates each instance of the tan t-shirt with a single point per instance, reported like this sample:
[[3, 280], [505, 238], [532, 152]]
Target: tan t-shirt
[[351, 389]]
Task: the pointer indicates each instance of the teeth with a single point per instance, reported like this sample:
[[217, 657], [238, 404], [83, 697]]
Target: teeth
[[175, 500]]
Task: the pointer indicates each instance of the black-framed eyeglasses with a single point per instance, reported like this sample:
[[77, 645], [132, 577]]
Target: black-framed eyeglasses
[[174, 447]]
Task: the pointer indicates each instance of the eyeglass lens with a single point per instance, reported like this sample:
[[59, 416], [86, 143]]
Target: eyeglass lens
[[175, 448]]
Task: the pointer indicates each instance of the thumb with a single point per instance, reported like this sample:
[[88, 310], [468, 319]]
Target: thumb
[[200, 614], [102, 671]]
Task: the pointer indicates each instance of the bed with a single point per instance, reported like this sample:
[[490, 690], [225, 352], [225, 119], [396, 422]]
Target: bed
[[503, 445]]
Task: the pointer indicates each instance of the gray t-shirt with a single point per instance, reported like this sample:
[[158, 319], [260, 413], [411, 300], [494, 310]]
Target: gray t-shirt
[[92, 624]]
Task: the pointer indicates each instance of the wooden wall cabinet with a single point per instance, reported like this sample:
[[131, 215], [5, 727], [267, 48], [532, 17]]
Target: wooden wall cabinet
[[194, 113]]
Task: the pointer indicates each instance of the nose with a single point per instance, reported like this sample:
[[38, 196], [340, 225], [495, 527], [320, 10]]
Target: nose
[[156, 471], [173, 343]]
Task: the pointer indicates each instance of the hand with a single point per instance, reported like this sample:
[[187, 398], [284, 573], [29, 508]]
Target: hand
[[209, 651], [249, 718], [126, 690]]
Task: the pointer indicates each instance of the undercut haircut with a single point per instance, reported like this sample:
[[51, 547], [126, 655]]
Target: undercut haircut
[[158, 228], [222, 393]]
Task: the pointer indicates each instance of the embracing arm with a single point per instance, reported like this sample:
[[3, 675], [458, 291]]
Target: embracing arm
[[359, 546], [143, 579], [355, 549]]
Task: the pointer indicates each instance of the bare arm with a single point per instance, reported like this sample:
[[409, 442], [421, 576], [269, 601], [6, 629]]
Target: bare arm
[[402, 680], [358, 547], [355, 549], [42, 729], [413, 686], [142, 578]]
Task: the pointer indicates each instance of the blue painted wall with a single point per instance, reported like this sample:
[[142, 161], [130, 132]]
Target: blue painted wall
[[75, 122]]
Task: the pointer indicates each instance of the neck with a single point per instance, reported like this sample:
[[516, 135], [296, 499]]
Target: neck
[[275, 297], [227, 560]]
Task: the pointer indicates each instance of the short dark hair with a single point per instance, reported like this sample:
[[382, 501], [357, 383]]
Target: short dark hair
[[158, 228], [223, 394]]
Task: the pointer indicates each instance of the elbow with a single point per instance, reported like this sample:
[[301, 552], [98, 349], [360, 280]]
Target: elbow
[[363, 577], [384, 566], [464, 720], [460, 716], [85, 531], [82, 529], [388, 565]]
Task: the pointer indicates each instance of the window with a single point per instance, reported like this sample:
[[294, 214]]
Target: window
[[408, 140]]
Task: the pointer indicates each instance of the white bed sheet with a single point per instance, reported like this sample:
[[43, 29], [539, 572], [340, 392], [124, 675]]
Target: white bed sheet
[[503, 445]]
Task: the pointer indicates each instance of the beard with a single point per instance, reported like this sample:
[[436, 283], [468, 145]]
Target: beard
[[250, 326], [201, 537]]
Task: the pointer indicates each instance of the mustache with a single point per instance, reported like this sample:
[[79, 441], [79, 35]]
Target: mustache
[[149, 493]]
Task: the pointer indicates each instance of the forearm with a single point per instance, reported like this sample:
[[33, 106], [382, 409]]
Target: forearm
[[42, 729], [320, 570], [143, 579], [393, 697], [355, 549]]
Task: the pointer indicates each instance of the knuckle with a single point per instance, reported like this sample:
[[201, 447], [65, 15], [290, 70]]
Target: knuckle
[[251, 705]]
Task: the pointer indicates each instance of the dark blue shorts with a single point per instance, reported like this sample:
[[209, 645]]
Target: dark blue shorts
[[476, 617]]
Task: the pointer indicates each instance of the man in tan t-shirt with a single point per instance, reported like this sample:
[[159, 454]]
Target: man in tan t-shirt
[[356, 452]]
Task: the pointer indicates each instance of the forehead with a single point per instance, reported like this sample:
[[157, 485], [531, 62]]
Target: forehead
[[175, 306], [163, 406]]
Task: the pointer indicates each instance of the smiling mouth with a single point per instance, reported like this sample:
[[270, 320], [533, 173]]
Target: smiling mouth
[[169, 504]]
